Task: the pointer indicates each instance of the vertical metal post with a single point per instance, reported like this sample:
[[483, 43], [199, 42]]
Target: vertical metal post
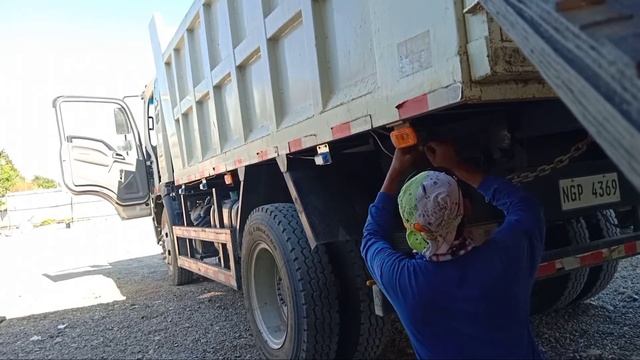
[[216, 213], [221, 251], [183, 202], [71, 203]]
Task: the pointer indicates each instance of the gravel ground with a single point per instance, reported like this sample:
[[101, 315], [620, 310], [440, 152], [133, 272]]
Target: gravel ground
[[134, 313], [605, 326], [148, 318], [155, 321]]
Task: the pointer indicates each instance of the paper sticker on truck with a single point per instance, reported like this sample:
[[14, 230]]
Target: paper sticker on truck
[[589, 191]]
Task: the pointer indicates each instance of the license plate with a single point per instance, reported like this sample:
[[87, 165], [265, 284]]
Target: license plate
[[589, 191]]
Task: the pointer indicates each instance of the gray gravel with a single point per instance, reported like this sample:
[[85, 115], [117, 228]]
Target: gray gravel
[[155, 321], [112, 284], [208, 320], [603, 327]]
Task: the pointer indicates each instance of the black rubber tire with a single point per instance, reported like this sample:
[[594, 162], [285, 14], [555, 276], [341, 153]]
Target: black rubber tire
[[307, 278], [177, 275], [362, 332], [559, 291], [601, 225]]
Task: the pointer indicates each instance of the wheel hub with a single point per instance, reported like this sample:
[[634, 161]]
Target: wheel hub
[[282, 301], [269, 296]]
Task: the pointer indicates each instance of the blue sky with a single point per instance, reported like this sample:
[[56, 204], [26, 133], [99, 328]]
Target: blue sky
[[72, 47]]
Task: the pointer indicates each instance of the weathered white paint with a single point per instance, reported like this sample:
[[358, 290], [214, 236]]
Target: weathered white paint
[[243, 76]]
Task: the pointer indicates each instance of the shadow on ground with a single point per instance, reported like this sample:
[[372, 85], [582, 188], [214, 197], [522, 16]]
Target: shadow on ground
[[156, 320]]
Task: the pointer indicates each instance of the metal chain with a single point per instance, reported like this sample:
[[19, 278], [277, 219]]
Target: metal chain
[[560, 161]]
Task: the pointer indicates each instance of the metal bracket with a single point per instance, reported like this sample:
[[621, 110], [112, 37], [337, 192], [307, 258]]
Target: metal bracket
[[381, 305], [240, 173], [203, 185], [282, 162], [474, 8]]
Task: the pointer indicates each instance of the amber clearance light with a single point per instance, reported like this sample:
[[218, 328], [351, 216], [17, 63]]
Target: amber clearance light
[[404, 137]]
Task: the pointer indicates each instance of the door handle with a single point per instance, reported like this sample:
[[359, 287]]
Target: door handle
[[118, 156]]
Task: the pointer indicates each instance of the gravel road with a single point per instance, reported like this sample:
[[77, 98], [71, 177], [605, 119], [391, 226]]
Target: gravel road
[[112, 300], [147, 319], [605, 326]]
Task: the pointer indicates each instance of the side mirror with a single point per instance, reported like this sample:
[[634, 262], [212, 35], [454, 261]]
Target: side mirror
[[122, 125], [151, 123]]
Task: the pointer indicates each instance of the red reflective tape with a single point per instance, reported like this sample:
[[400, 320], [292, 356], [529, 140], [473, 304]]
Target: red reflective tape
[[630, 248], [412, 107], [546, 269], [342, 130], [295, 145], [593, 258]]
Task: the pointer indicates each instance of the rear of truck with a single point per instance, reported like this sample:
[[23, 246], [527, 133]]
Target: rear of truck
[[269, 136]]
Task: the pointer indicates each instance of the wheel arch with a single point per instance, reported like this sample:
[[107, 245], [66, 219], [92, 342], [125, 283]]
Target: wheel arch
[[260, 184], [332, 200], [157, 206]]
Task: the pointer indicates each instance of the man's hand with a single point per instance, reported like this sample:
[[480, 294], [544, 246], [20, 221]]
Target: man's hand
[[443, 154], [401, 166]]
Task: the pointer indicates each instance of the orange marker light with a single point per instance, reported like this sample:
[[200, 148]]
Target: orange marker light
[[404, 137], [228, 179]]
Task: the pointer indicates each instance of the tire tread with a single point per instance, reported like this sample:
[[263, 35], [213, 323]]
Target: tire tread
[[313, 278], [362, 331], [600, 276], [177, 275]]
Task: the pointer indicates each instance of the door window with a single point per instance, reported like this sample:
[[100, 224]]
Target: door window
[[101, 121], [100, 152]]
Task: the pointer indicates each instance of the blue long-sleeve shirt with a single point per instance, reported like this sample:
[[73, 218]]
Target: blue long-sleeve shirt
[[475, 305]]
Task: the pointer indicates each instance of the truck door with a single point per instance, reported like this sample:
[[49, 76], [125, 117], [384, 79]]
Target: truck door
[[101, 153]]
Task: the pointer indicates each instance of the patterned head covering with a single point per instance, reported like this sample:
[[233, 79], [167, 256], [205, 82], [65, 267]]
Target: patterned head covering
[[431, 207]]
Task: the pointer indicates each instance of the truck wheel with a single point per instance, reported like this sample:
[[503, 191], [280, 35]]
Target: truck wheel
[[362, 332], [289, 289], [559, 291], [177, 276], [601, 225]]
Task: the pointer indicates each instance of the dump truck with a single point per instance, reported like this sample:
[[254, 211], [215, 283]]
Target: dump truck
[[266, 135]]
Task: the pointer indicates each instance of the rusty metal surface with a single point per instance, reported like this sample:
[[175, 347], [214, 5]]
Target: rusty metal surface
[[205, 234], [212, 272], [223, 239]]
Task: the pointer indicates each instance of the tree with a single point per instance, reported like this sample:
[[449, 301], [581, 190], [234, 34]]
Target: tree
[[42, 182], [9, 174]]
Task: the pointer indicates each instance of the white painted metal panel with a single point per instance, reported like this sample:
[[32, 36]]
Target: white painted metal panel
[[251, 79]]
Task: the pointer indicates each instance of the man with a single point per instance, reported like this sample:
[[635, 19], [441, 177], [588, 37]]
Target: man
[[456, 299]]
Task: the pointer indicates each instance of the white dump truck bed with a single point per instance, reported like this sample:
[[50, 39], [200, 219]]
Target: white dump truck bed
[[243, 81]]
